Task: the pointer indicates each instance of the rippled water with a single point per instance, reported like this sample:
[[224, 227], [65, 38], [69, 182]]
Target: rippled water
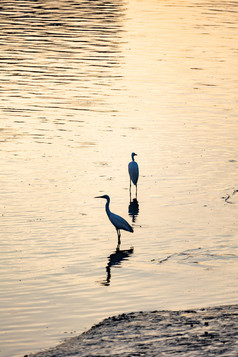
[[83, 84]]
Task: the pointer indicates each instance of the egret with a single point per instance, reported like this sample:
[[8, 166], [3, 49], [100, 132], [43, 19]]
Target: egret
[[133, 171], [118, 222]]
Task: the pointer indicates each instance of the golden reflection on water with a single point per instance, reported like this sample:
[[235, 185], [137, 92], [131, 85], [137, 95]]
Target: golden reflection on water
[[59, 56], [83, 84]]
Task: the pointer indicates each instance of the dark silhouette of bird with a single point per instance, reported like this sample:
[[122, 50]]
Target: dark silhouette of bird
[[118, 222], [133, 170]]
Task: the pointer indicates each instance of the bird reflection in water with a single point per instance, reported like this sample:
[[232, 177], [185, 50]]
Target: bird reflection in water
[[133, 209], [115, 259]]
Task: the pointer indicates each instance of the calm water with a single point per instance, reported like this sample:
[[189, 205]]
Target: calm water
[[83, 84]]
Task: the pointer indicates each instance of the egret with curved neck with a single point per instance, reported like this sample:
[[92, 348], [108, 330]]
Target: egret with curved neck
[[133, 170], [118, 222]]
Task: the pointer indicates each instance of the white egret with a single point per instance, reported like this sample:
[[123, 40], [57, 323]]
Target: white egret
[[133, 170], [118, 222]]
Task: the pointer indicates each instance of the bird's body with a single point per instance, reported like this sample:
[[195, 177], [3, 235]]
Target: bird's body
[[118, 222], [133, 170]]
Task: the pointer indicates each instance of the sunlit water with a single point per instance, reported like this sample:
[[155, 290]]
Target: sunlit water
[[83, 84]]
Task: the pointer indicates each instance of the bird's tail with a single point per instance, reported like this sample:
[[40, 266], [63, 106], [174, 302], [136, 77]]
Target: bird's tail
[[131, 229]]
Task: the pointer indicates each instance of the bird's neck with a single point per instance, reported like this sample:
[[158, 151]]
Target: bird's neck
[[107, 207]]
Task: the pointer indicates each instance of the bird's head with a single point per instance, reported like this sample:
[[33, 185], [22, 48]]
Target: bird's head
[[104, 196], [132, 155]]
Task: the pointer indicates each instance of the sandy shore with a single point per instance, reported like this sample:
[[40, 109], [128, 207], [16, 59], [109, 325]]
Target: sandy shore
[[203, 332]]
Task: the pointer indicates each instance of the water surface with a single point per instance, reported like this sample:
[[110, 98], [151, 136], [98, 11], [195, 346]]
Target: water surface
[[83, 84]]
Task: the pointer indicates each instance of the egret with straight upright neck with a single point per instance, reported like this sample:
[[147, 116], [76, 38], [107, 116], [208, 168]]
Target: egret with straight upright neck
[[133, 170], [118, 222]]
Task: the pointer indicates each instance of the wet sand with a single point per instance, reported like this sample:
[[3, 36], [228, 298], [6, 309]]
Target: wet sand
[[202, 332]]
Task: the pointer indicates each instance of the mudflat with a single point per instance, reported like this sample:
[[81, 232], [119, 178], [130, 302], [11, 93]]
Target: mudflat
[[201, 332]]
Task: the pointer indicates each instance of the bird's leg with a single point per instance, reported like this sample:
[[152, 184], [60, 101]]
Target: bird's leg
[[136, 191], [119, 236], [130, 190]]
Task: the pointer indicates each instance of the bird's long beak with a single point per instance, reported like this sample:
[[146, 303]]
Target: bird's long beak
[[98, 197]]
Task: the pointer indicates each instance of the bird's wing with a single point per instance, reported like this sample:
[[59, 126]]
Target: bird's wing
[[119, 222]]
